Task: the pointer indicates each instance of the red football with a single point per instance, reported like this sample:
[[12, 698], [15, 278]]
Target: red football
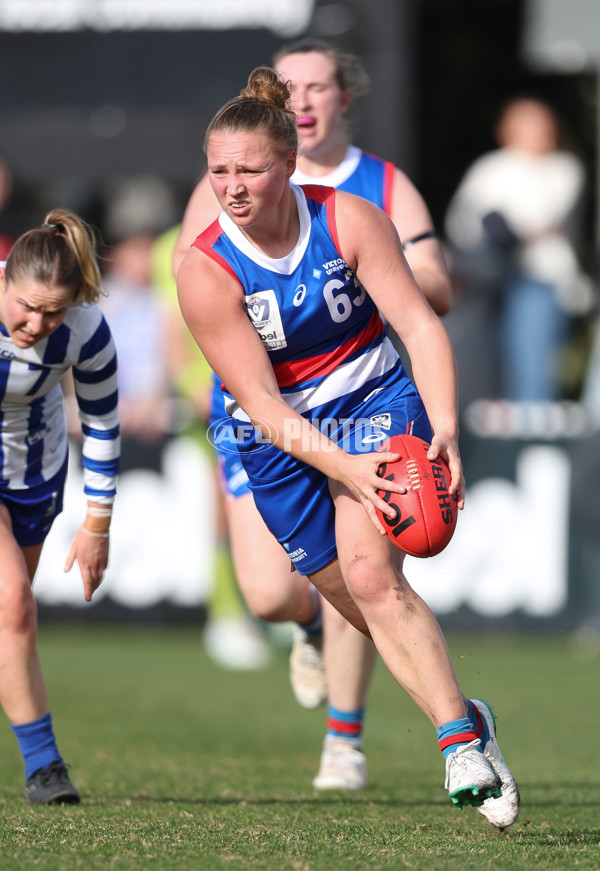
[[426, 514]]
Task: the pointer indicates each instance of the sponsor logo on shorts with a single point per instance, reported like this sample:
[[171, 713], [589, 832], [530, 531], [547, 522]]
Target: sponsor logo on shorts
[[297, 555]]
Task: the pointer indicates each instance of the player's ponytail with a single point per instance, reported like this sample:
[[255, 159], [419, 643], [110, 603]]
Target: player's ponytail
[[61, 252]]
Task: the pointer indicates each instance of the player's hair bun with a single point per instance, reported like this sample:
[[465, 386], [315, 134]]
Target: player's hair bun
[[264, 104], [266, 86]]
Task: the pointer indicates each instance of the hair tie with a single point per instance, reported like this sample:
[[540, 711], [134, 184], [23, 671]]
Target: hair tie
[[49, 227]]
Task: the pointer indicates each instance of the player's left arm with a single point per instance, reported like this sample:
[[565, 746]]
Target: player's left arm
[[422, 248], [96, 389], [371, 247]]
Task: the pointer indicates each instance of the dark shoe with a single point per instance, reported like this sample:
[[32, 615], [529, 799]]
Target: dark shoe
[[51, 785]]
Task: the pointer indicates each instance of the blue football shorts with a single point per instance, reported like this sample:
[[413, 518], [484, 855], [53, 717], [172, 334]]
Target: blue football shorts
[[34, 510], [294, 498]]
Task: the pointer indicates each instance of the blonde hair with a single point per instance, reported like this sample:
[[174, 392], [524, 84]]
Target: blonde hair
[[264, 104], [62, 252]]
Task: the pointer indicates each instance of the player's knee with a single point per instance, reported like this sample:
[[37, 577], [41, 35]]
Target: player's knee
[[18, 611], [367, 580], [266, 605]]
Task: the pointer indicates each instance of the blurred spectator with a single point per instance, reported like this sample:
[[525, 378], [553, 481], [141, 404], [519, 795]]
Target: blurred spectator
[[137, 204], [231, 637], [136, 316], [513, 226]]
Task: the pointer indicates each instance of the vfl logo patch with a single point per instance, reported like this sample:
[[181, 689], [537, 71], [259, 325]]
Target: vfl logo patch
[[383, 420], [263, 311]]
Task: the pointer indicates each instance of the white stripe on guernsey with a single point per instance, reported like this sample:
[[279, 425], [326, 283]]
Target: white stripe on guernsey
[[97, 482], [284, 265], [347, 378], [339, 175]]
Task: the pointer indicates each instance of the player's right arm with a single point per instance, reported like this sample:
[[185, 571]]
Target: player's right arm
[[201, 211]]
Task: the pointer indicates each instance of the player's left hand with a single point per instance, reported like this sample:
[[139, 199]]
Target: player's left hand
[[91, 552], [445, 446]]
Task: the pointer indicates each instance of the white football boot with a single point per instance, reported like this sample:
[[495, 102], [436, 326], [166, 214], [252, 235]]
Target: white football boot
[[343, 765], [307, 670], [470, 776], [504, 810], [236, 643]]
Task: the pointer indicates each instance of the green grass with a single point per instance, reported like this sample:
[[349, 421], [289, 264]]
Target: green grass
[[183, 765]]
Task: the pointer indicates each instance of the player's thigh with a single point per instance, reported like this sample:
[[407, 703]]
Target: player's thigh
[[17, 568], [262, 566]]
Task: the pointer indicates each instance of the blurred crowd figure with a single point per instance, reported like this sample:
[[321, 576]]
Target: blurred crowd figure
[[514, 229], [232, 638], [136, 314], [134, 311]]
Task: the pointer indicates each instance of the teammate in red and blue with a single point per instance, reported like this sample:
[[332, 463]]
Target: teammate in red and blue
[[50, 324]]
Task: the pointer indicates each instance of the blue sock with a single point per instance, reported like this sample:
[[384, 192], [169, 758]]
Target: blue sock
[[479, 725], [456, 732], [37, 744], [346, 724]]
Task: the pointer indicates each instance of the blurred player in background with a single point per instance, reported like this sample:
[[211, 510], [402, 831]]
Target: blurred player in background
[[49, 323], [325, 81], [319, 264]]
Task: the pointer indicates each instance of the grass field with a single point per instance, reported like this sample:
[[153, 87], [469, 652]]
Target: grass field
[[183, 765]]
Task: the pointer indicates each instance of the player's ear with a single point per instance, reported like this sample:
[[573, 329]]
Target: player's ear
[[345, 101], [291, 163]]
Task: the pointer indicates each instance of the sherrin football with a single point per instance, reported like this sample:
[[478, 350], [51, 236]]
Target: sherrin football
[[426, 514]]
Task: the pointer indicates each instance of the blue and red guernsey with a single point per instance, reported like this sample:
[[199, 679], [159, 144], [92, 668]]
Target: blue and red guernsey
[[359, 173], [322, 331]]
